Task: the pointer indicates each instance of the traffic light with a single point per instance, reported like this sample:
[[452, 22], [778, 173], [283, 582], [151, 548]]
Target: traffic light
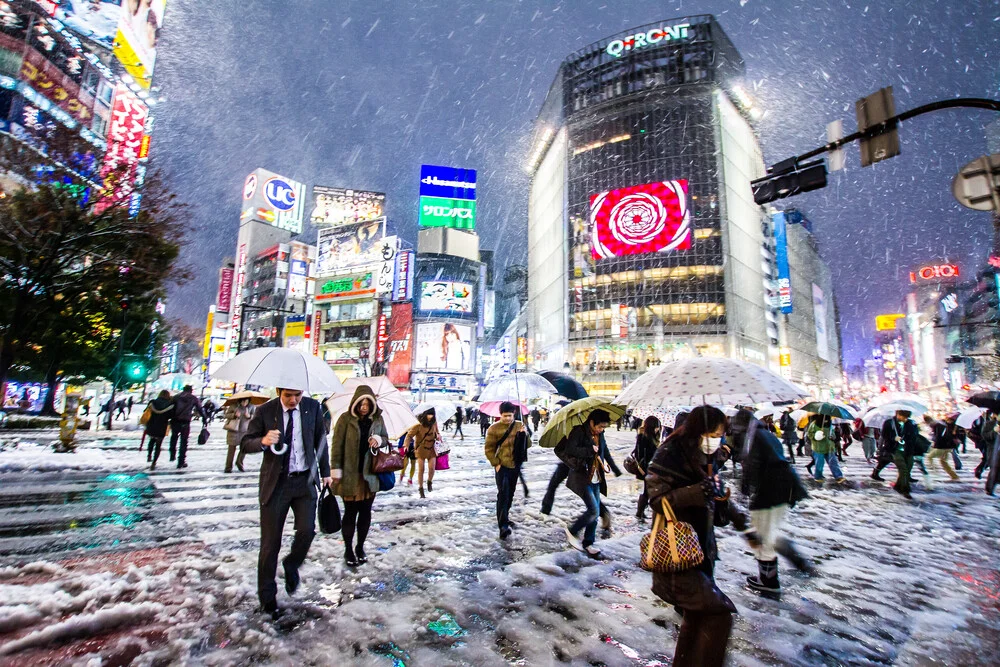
[[134, 369], [125, 303], [789, 178]]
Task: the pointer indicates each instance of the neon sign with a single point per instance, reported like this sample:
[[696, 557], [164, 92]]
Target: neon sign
[[650, 38], [935, 272]]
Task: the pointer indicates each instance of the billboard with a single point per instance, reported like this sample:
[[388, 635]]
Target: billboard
[[135, 40], [887, 321], [338, 206], [933, 272], [446, 296], [447, 197], [349, 286], [399, 348], [340, 248], [97, 20], [403, 279], [444, 347], [128, 121], [640, 219], [273, 200], [819, 317], [384, 280], [295, 331], [224, 298], [781, 259]]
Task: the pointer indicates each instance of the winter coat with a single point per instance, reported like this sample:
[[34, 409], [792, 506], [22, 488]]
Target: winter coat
[[501, 453], [787, 427], [643, 452], [988, 432], [825, 445], [160, 409], [185, 405], [583, 461], [679, 474], [769, 479], [945, 435], [238, 419], [422, 439], [908, 431], [350, 455]]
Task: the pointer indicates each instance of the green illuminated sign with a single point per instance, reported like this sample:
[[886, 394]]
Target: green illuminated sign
[[443, 212]]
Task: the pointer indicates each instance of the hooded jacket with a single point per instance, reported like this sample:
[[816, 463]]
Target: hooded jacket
[[161, 410], [349, 455], [422, 438]]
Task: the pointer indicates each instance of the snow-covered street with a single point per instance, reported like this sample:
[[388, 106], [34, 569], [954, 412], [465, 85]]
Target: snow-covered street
[[106, 563]]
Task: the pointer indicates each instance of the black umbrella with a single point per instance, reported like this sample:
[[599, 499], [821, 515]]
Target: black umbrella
[[984, 399], [565, 385]]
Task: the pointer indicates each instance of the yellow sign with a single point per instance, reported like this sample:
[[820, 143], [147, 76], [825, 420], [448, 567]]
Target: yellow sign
[[295, 330], [207, 346], [785, 357], [887, 322]]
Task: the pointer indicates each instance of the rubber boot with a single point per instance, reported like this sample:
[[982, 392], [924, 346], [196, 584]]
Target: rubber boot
[[766, 580], [786, 549]]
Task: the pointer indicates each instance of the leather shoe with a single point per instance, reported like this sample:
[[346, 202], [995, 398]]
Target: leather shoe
[[271, 608], [291, 578], [350, 559]]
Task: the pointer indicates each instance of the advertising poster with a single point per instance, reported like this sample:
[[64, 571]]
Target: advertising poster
[[447, 197], [138, 33], [446, 296], [96, 20], [444, 347], [295, 331], [640, 219], [340, 206], [399, 346], [819, 316], [341, 248], [128, 121], [781, 258], [224, 298]]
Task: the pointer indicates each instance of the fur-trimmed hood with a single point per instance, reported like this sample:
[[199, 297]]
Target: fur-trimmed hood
[[364, 391]]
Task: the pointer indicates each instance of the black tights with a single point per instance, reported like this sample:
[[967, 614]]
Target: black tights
[[356, 513]]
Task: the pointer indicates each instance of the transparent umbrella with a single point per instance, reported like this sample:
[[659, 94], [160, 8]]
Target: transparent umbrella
[[517, 387]]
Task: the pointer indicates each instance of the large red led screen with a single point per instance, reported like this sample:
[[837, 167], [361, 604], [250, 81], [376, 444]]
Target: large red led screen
[[639, 219]]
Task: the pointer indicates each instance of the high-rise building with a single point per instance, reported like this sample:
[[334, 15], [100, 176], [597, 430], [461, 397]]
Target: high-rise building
[[644, 242]]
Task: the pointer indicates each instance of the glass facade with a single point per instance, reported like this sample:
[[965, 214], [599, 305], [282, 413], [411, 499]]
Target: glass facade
[[648, 106]]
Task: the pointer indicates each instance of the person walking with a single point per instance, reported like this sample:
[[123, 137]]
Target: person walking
[[160, 409], [500, 452], [129, 404], [237, 419], [586, 454], [679, 474], [536, 417], [646, 443], [423, 437], [358, 433], [788, 434], [289, 431], [185, 405], [409, 460], [823, 437], [120, 406], [945, 441], [484, 423], [773, 487], [899, 439], [459, 418]]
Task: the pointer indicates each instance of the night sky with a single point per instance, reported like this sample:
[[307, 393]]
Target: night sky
[[354, 94]]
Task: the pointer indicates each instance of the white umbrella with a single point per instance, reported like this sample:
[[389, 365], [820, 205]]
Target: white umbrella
[[875, 417], [773, 412], [707, 380], [443, 411], [968, 416], [280, 367], [516, 387], [396, 412], [900, 397]]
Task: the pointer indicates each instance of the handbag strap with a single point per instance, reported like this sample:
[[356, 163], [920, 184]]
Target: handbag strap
[[505, 434], [668, 511]]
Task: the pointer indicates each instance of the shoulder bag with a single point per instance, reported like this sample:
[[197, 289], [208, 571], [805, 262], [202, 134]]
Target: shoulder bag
[[520, 448], [146, 416], [386, 459], [671, 546]]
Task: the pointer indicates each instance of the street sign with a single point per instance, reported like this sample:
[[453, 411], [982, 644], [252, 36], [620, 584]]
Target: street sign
[[835, 159], [873, 110], [977, 184]]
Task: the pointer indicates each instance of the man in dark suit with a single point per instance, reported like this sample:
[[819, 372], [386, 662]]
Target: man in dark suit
[[289, 430]]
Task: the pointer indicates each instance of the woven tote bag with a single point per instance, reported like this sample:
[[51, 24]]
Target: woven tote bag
[[671, 546]]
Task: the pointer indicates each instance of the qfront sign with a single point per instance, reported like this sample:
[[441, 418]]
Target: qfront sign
[[447, 197], [934, 272], [649, 38]]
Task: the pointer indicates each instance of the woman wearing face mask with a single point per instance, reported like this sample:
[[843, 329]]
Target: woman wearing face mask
[[679, 473], [421, 437]]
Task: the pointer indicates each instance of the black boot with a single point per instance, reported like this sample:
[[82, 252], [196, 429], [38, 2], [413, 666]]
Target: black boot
[[422, 491], [767, 579], [786, 549]]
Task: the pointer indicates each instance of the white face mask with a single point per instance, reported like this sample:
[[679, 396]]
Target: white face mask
[[709, 445]]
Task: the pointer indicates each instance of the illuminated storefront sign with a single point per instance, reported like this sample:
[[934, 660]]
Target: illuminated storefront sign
[[447, 197], [273, 199], [648, 38], [640, 219], [237, 299], [381, 338], [950, 302], [887, 322], [781, 259], [934, 272], [361, 285], [456, 213], [128, 121], [317, 323]]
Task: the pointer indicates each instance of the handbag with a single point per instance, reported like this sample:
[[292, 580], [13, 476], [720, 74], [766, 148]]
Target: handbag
[[203, 436], [632, 466], [328, 512], [520, 448], [442, 462], [440, 448], [671, 546], [386, 480], [386, 459], [232, 425], [146, 416]]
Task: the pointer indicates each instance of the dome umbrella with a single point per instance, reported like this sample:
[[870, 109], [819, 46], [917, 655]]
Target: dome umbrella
[[966, 418], [566, 385], [256, 397], [517, 387], [986, 399], [280, 367], [395, 410], [828, 409], [492, 408], [574, 414]]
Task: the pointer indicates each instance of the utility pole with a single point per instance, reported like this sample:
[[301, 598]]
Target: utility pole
[[124, 303]]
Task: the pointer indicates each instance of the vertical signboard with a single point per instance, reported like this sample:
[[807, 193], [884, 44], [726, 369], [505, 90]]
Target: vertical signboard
[[223, 299], [399, 346], [781, 259], [447, 197], [316, 333], [381, 338], [237, 299], [403, 279], [125, 132], [384, 280], [819, 317]]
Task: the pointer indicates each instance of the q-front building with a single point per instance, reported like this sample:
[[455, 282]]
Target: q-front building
[[644, 242]]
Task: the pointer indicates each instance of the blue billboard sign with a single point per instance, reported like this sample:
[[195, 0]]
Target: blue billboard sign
[[781, 258], [447, 182]]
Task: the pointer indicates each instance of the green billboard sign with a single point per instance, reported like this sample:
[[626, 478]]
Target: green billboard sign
[[444, 212]]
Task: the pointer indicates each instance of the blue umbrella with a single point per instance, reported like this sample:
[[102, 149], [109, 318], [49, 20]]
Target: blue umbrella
[[566, 385]]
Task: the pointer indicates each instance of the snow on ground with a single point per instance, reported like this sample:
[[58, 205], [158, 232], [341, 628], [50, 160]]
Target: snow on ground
[[900, 582]]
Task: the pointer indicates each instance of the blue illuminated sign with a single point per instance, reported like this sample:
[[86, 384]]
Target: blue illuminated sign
[[447, 182], [781, 258]]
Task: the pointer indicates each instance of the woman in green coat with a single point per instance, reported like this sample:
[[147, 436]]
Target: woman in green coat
[[357, 432]]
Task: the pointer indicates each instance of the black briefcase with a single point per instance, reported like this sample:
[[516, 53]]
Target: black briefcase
[[329, 512]]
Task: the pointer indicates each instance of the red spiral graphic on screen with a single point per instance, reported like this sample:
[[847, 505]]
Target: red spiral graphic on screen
[[647, 218]]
